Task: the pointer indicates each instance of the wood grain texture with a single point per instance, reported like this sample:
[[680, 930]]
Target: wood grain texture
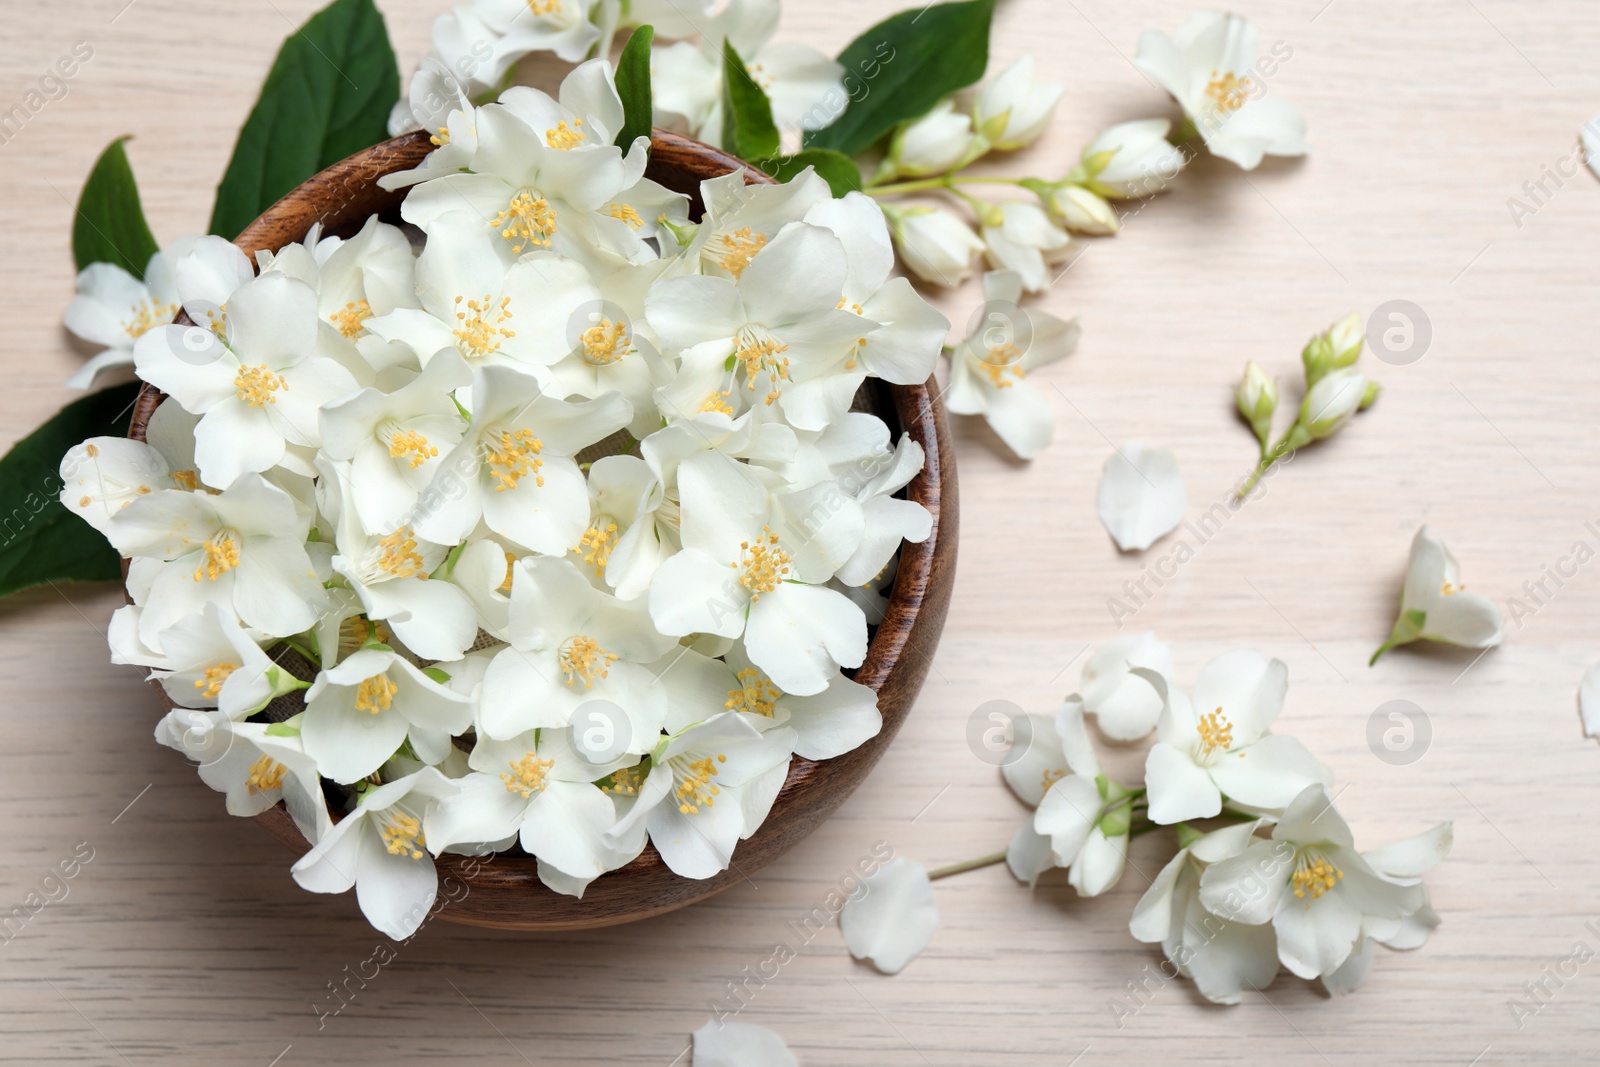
[[185, 941]]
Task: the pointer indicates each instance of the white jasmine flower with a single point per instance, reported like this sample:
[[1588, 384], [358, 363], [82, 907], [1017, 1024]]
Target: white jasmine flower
[[1013, 108], [257, 387], [210, 661], [113, 309], [514, 468], [707, 788], [1311, 884], [806, 87], [893, 919], [380, 849], [607, 354], [359, 713], [1020, 237], [243, 548], [209, 270], [740, 220], [988, 371], [629, 532], [1222, 958], [1142, 495], [1435, 604], [256, 764], [1218, 744], [571, 644], [103, 475], [746, 567], [937, 143], [934, 244], [736, 1044], [1132, 160], [1125, 705], [559, 26], [371, 274], [1207, 67]]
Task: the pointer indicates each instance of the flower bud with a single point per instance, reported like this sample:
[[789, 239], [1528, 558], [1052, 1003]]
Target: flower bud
[[1257, 397], [937, 143], [935, 245], [1332, 401], [1131, 159], [1013, 109], [1080, 210], [1370, 397], [1339, 346]]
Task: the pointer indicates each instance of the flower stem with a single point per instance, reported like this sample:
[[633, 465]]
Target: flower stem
[[969, 865], [294, 643], [944, 181], [1279, 450]]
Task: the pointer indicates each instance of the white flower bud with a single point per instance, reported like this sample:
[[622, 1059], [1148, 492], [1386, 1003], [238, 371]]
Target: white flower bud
[[1338, 347], [1332, 401], [1082, 211], [1013, 109], [1257, 397], [937, 143], [934, 244], [1132, 159]]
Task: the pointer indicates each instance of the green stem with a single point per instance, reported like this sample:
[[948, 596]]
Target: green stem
[[970, 865], [294, 643], [1279, 450], [943, 181]]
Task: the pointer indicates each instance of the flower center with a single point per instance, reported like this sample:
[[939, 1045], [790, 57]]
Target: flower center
[[596, 544], [402, 834], [413, 444], [211, 684], [221, 555], [626, 213], [375, 694], [528, 775], [564, 137], [266, 774], [355, 630], [1216, 732], [514, 457], [255, 385], [761, 353], [544, 7], [440, 138], [625, 782], [511, 570], [756, 693], [605, 343], [351, 318], [582, 659], [1003, 364], [398, 556], [717, 400], [1314, 877], [764, 564], [1228, 90], [527, 220], [482, 326], [1451, 589], [734, 251], [694, 783], [148, 317], [1051, 777], [186, 480]]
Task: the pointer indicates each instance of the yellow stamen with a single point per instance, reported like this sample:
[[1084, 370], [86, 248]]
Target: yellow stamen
[[1002, 360], [718, 401], [402, 834], [398, 556], [582, 659], [764, 564], [211, 684], [1216, 732], [625, 782], [734, 251], [1228, 90], [375, 694], [756, 694], [527, 220], [626, 213], [605, 343], [761, 353], [511, 564], [515, 457], [441, 137], [221, 556], [528, 775], [266, 774], [1051, 778], [351, 319], [413, 444], [482, 326], [565, 137], [544, 7], [596, 545], [694, 787], [1451, 589], [1315, 877], [186, 480], [148, 317], [255, 385]]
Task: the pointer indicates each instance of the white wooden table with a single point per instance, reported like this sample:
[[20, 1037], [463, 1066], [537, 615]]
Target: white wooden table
[[184, 939]]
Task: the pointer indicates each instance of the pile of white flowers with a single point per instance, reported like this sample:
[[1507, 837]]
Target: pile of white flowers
[[376, 458]]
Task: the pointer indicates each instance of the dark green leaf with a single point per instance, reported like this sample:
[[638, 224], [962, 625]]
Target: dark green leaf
[[633, 85], [747, 127], [40, 540], [327, 96], [838, 170], [904, 65], [109, 226]]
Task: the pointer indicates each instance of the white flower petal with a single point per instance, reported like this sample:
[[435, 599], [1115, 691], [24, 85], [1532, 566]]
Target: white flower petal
[[1142, 496], [893, 920]]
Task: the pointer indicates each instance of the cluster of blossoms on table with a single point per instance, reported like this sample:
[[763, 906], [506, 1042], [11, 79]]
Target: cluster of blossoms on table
[[370, 455]]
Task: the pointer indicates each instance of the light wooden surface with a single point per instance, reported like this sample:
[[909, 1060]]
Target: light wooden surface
[[185, 941]]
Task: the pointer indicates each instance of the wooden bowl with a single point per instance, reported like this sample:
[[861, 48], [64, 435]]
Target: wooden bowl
[[504, 891]]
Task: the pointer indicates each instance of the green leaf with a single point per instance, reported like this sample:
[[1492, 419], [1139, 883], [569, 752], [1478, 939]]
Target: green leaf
[[903, 66], [747, 127], [40, 540], [633, 85], [835, 168], [109, 226], [327, 96], [436, 674]]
